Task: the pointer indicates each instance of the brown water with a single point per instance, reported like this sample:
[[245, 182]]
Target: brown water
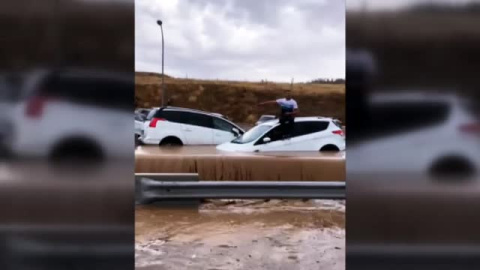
[[215, 165], [244, 234], [210, 150]]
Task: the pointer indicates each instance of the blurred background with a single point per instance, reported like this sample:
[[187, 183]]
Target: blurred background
[[66, 134], [413, 158]]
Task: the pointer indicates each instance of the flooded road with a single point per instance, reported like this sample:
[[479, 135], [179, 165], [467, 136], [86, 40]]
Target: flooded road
[[213, 165], [244, 234], [210, 150]]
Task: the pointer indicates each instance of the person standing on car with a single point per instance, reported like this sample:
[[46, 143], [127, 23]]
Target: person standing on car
[[288, 111]]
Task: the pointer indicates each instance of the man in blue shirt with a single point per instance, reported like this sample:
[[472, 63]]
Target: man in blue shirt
[[288, 111]]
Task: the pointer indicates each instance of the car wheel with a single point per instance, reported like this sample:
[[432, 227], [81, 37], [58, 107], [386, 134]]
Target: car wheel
[[329, 148], [78, 154], [452, 167], [171, 141], [137, 141]]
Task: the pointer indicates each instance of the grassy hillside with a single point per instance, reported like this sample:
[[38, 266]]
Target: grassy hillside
[[238, 100]]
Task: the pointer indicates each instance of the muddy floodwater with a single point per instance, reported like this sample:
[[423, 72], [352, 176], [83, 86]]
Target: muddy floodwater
[[209, 150], [215, 165], [242, 234]]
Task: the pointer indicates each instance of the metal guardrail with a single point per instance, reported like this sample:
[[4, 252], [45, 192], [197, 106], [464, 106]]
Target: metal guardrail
[[150, 190], [413, 256]]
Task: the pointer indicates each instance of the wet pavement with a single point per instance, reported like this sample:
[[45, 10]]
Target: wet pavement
[[242, 234]]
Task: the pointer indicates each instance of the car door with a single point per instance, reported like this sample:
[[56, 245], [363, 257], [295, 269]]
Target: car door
[[276, 143], [308, 136], [197, 128], [222, 131]]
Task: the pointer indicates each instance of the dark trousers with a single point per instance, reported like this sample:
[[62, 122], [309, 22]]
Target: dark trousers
[[286, 125]]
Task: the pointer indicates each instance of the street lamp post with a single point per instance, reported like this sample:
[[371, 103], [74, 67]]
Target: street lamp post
[[159, 22]]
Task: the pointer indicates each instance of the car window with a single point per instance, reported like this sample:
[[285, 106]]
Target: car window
[[222, 125], [252, 134], [275, 134], [196, 119], [305, 128], [393, 118], [171, 116], [91, 91]]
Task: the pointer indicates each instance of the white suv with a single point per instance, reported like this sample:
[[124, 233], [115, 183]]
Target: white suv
[[181, 126], [309, 134], [74, 113]]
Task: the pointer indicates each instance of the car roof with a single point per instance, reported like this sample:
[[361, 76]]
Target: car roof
[[218, 115], [299, 119], [171, 108], [413, 96]]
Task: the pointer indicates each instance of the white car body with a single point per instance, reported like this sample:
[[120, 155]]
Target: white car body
[[417, 150], [139, 123], [325, 134], [187, 127], [59, 120]]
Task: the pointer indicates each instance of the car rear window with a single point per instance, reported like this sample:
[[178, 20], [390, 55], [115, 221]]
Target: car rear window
[[305, 128], [337, 123]]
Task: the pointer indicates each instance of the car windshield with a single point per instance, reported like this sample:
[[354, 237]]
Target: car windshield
[[252, 134]]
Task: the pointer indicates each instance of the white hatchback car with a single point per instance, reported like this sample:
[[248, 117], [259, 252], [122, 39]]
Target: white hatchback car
[[309, 134], [171, 126], [418, 133]]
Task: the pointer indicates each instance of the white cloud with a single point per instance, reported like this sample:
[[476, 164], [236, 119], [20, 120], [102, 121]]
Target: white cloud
[[242, 39]]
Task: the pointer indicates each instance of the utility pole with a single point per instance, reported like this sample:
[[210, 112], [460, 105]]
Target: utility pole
[[159, 22]]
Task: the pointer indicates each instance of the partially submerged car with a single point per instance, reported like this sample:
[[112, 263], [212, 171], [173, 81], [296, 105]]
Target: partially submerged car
[[174, 126], [309, 134]]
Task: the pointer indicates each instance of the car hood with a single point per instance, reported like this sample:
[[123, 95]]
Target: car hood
[[234, 147]]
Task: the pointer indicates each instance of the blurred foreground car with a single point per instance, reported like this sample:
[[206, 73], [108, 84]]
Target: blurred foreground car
[[173, 126], [442, 129], [10, 96], [73, 114], [309, 134]]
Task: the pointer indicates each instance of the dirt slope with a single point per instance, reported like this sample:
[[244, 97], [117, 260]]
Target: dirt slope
[[238, 100]]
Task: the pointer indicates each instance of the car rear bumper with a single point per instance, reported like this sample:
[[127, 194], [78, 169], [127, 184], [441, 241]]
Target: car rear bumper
[[147, 140]]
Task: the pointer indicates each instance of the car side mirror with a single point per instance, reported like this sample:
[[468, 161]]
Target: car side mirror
[[267, 140]]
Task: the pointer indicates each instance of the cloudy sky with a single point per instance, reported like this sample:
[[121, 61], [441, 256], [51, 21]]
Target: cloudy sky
[[242, 39]]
